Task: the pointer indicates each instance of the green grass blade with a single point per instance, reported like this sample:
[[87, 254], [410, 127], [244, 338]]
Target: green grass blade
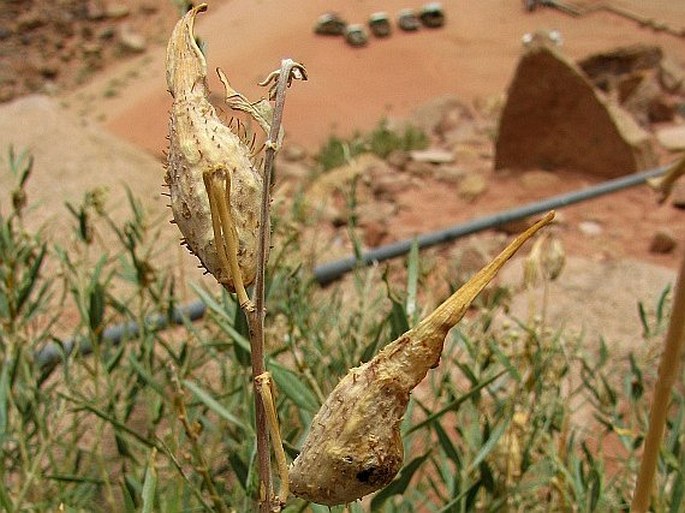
[[454, 405], [294, 388], [150, 484], [214, 405]]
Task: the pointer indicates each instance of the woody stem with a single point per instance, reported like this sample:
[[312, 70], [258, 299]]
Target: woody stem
[[255, 318]]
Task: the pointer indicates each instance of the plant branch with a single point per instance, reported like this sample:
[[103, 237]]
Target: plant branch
[[255, 317], [668, 371]]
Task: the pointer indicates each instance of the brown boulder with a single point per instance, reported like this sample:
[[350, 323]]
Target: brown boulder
[[554, 118]]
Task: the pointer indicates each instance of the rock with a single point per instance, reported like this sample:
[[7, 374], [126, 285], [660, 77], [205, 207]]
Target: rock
[[374, 217], [554, 118], [148, 7], [64, 172], [430, 116], [432, 155], [398, 158], [662, 109], [472, 186], [30, 20], [678, 194], [590, 228], [638, 102], [671, 75], [621, 61], [130, 40], [672, 138], [390, 184], [515, 227], [663, 242], [450, 174], [116, 10], [593, 299], [95, 10], [420, 169], [536, 179]]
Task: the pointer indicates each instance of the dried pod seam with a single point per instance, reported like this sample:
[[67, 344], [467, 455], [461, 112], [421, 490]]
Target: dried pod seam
[[354, 445]]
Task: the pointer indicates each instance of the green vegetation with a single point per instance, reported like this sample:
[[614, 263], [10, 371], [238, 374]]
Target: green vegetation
[[381, 141], [509, 421]]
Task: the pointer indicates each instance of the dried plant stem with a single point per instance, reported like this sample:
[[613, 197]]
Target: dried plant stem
[[255, 316], [193, 432], [668, 371], [266, 393]]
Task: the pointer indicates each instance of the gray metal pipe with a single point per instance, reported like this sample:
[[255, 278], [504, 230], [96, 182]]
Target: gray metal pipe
[[326, 273], [53, 353]]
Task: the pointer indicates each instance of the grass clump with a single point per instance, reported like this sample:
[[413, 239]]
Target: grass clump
[[381, 141]]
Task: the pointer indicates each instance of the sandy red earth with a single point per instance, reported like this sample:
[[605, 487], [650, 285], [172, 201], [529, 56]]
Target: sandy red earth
[[350, 89], [473, 57]]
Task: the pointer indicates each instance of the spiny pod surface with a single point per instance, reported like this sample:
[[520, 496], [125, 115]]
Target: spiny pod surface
[[354, 445], [203, 150]]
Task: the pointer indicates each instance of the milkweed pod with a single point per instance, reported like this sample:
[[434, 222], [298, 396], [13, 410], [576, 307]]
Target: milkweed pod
[[205, 155], [354, 445]]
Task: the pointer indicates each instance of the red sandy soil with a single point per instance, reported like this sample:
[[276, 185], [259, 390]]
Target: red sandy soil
[[473, 57], [350, 89]]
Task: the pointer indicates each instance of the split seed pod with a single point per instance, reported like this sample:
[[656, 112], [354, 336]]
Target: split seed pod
[[354, 445], [209, 165]]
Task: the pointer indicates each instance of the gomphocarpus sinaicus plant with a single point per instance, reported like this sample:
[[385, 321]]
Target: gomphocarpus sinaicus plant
[[354, 445], [218, 198]]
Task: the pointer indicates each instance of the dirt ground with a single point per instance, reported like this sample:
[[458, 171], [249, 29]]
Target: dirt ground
[[472, 58]]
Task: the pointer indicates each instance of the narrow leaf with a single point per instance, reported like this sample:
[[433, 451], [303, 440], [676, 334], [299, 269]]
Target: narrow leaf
[[294, 388], [150, 484], [213, 404]]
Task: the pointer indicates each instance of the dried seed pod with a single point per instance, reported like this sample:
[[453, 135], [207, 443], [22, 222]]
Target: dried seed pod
[[354, 445], [204, 156]]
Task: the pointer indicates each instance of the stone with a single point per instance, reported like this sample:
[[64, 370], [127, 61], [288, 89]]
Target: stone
[[678, 194], [663, 241], [95, 10], [439, 113], [420, 169], [672, 138], [671, 75], [130, 40], [116, 10], [590, 228], [638, 102], [621, 61], [472, 186], [432, 155], [450, 174], [555, 119], [662, 109], [390, 185], [398, 158], [537, 179], [374, 233]]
